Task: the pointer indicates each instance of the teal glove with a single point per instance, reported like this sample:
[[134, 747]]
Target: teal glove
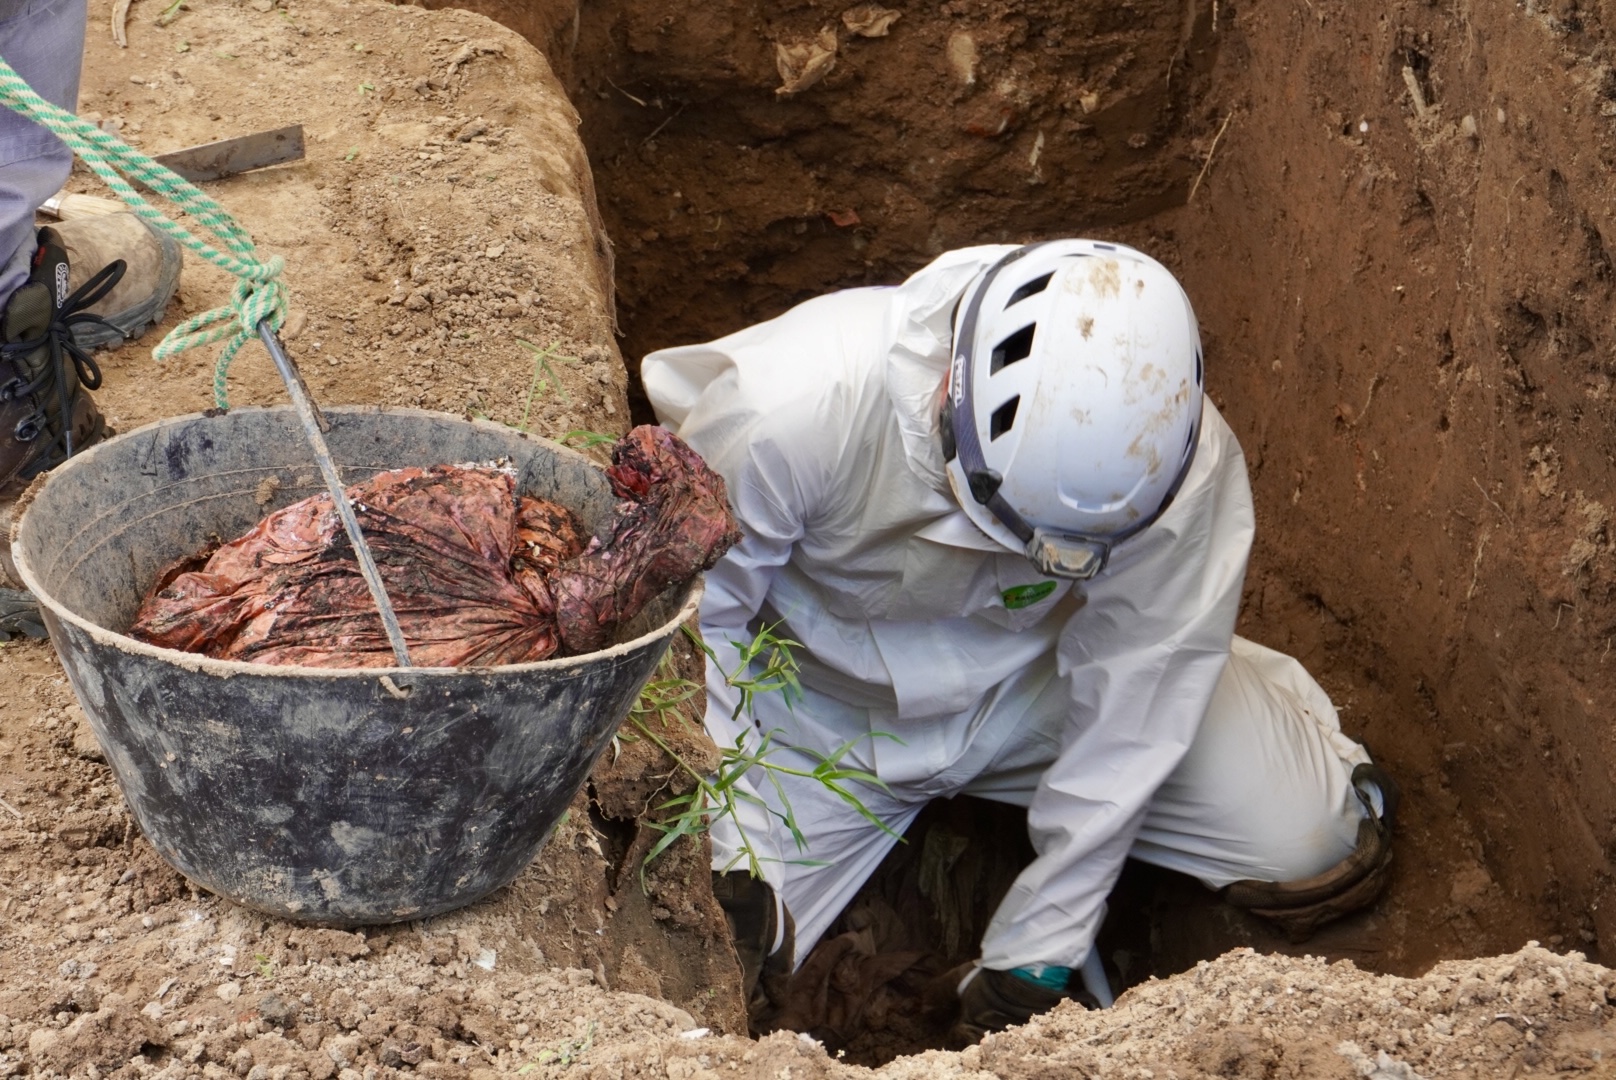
[[1047, 976]]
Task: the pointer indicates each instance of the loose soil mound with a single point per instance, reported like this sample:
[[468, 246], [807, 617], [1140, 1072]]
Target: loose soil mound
[[110, 961], [439, 220], [1532, 1013]]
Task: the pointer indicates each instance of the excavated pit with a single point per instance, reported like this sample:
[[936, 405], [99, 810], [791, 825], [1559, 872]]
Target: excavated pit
[[1391, 221], [1405, 317]]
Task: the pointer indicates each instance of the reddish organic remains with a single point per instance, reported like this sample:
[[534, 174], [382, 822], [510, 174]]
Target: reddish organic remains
[[478, 575]]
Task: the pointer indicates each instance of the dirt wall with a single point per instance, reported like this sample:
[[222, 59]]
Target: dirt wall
[[733, 193], [1399, 256]]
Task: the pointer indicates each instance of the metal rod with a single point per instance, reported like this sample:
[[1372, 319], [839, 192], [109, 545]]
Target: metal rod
[[313, 426]]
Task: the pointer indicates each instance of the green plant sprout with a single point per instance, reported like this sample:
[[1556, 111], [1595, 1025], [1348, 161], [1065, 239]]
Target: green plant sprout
[[766, 665], [543, 371], [662, 696], [581, 439], [264, 965], [567, 1053], [658, 698]]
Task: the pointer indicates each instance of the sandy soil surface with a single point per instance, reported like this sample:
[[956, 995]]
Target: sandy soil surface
[[1246, 1016], [438, 221]]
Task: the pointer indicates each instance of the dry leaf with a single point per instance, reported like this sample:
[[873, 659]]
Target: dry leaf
[[803, 63], [870, 20]]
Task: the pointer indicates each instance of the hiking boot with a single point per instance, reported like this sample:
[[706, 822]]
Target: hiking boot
[[1301, 907], [753, 914], [50, 323], [138, 299]]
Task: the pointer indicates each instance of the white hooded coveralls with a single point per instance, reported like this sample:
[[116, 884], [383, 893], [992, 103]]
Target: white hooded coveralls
[[1085, 705]]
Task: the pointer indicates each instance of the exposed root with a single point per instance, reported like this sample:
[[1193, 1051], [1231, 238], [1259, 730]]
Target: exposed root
[[1207, 164]]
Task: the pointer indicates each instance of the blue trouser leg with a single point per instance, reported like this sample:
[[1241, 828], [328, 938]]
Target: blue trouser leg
[[43, 41]]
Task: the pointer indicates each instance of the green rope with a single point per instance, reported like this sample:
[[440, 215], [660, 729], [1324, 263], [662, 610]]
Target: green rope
[[258, 294]]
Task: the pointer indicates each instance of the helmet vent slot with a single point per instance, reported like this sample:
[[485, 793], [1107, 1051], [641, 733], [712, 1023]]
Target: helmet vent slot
[[1004, 418], [1031, 288], [1018, 346]]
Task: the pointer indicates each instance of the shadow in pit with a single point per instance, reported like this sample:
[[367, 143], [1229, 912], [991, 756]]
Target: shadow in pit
[[874, 987]]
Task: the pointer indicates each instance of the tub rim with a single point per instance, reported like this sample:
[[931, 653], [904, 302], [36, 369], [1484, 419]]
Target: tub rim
[[231, 668]]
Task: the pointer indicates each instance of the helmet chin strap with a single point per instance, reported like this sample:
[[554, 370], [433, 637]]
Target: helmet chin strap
[[958, 422]]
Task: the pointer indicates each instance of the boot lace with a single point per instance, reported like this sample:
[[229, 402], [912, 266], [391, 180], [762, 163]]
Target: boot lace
[[58, 338]]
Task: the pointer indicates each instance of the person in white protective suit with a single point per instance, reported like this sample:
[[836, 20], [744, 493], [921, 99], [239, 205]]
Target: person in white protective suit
[[1009, 532]]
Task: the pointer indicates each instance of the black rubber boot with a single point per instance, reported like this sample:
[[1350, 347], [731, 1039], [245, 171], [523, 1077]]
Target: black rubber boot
[[19, 615], [1301, 907], [994, 1000], [750, 908], [152, 264], [95, 281]]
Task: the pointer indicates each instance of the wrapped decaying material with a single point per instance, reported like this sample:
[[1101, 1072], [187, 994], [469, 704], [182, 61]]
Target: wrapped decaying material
[[478, 574]]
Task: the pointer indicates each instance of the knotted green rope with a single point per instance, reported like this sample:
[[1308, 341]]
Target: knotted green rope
[[258, 294]]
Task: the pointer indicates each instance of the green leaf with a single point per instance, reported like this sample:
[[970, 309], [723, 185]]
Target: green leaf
[[1020, 596], [543, 372], [765, 665], [586, 440]]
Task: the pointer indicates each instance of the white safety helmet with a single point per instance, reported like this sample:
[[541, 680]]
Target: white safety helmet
[[1074, 400]]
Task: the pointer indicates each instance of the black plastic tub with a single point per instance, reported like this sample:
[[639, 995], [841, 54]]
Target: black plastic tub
[[338, 797]]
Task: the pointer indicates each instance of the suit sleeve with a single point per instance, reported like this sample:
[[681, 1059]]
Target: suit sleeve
[[1142, 658], [773, 456]]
